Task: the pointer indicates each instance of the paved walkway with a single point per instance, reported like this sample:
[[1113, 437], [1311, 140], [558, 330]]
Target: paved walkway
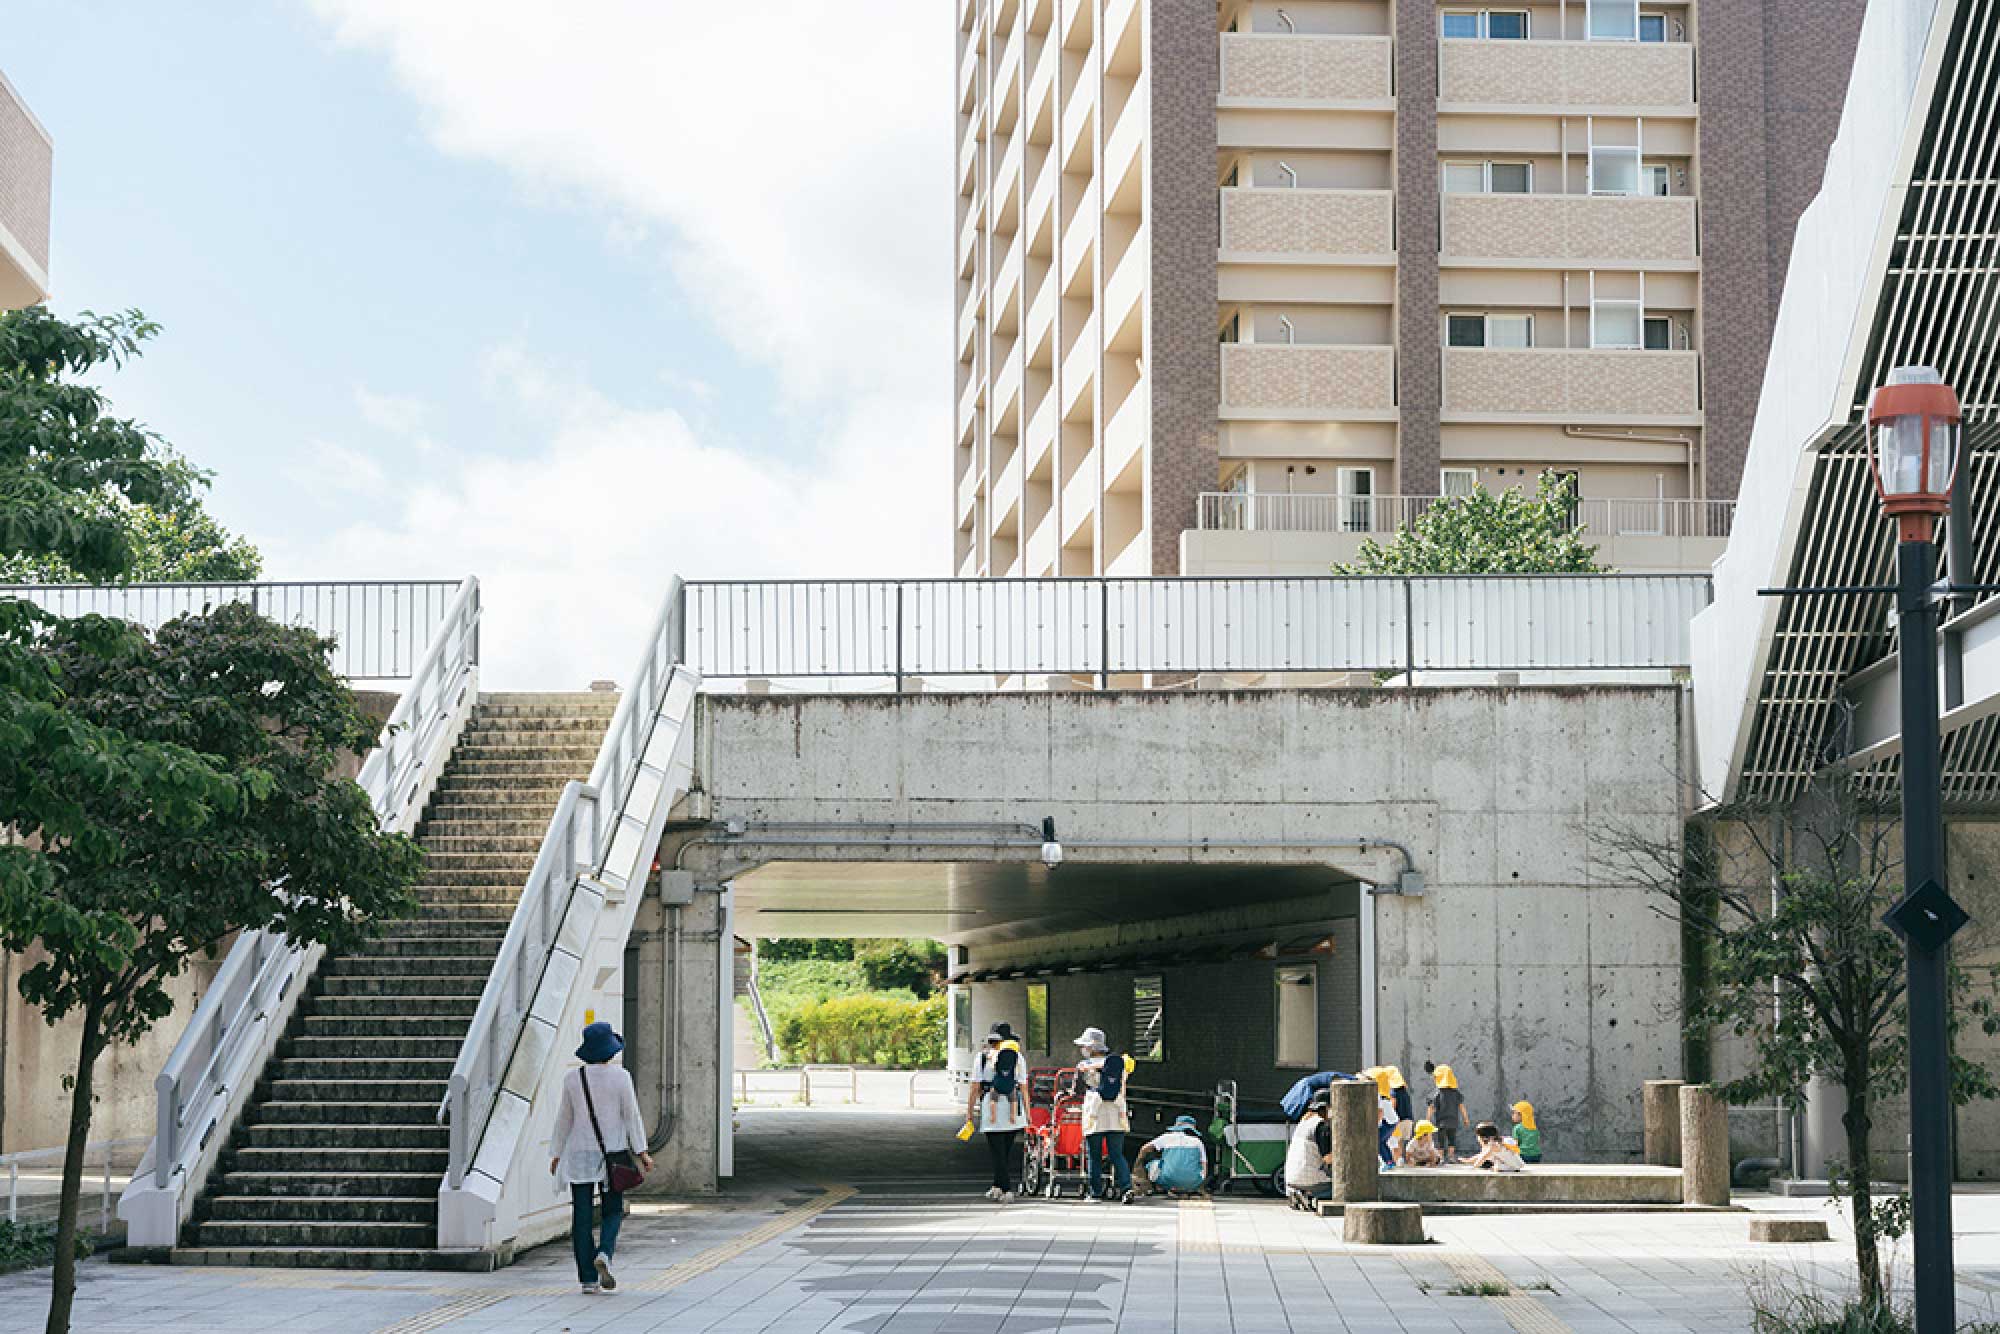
[[859, 1222]]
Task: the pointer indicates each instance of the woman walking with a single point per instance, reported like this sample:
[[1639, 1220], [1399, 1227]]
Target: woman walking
[[599, 1144]]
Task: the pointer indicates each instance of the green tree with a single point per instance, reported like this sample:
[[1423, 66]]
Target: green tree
[[163, 793], [890, 964], [138, 494], [1839, 974], [1487, 533]]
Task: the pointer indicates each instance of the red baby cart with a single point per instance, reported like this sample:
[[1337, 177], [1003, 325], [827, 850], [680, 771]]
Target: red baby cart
[[1053, 1158]]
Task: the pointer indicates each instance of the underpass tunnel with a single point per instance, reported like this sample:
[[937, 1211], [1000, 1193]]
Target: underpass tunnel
[[1248, 973]]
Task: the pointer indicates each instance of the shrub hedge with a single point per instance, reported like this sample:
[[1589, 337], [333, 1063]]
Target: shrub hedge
[[866, 1030]]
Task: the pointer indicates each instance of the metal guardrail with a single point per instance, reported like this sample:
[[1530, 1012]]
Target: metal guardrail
[[379, 629], [597, 841], [219, 1053], [1383, 516], [31, 1168], [1105, 628], [797, 1083]]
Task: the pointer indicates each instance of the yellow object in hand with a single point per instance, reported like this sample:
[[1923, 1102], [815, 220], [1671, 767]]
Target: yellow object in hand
[[966, 1131]]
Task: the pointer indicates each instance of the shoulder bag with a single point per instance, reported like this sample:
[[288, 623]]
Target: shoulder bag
[[621, 1171]]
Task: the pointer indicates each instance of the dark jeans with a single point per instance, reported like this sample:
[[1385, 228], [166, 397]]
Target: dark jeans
[[1447, 1136], [581, 1198], [1102, 1149], [1000, 1143], [1382, 1132]]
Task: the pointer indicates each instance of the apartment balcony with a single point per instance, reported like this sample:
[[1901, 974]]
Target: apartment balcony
[[1078, 117], [968, 64], [1041, 79], [1574, 76], [968, 328], [968, 402], [1007, 280], [968, 494], [1079, 368], [1570, 231], [1602, 385], [1041, 196], [1079, 497], [1006, 396], [1007, 69], [1307, 382], [968, 158], [1125, 433], [1041, 312], [1006, 492], [1078, 240], [1038, 553], [1040, 436], [968, 240], [1279, 67], [1305, 534], [26, 155], [1128, 133], [1007, 176], [1303, 226], [1125, 285]]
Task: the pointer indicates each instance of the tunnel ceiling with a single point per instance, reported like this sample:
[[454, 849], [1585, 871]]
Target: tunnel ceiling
[[982, 902]]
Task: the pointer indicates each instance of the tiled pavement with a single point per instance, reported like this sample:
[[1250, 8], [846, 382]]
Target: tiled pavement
[[869, 1223]]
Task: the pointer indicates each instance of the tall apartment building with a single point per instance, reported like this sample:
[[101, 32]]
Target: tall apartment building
[[1241, 283], [26, 153]]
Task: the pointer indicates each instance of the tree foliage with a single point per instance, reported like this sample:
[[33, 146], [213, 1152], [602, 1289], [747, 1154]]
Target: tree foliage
[[161, 792], [1839, 973], [891, 964], [1486, 533], [84, 495]]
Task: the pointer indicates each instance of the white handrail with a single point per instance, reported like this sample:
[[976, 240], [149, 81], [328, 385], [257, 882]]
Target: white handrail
[[236, 1024], [595, 840]]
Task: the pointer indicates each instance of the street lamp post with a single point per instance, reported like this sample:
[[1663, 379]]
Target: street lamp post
[[1914, 424]]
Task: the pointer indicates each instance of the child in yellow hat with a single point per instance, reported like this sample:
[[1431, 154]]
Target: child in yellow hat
[[1386, 1112], [1446, 1109], [1423, 1150], [1527, 1136]]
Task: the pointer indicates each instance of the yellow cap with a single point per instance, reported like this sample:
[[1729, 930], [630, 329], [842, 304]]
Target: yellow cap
[[1380, 1074], [1446, 1079], [1426, 1128], [1526, 1111], [1395, 1077]]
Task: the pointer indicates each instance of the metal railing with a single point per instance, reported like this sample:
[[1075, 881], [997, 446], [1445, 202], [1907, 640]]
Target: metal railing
[[379, 629], [34, 1178], [232, 1029], [598, 845], [893, 629], [1381, 516], [801, 1084]]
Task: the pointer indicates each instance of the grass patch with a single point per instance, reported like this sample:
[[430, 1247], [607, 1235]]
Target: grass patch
[[1779, 1311], [32, 1245], [1485, 1287]]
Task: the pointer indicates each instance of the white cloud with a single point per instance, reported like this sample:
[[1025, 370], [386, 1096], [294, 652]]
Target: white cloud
[[791, 162], [575, 545]]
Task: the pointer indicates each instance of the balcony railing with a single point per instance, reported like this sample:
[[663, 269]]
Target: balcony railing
[[1382, 516], [1308, 222], [1285, 68], [1308, 380], [1583, 229], [1605, 384], [1566, 74]]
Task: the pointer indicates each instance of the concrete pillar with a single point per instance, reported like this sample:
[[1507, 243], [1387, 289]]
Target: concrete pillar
[[1354, 1114], [1377, 1224], [1704, 1146], [1820, 1129], [682, 1051], [1662, 1118]]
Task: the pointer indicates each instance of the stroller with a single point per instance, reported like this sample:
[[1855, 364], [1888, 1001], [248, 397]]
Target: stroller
[[1053, 1158]]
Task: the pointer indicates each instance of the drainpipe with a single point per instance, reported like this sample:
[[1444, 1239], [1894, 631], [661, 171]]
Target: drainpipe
[[1286, 19], [670, 1039], [1291, 177]]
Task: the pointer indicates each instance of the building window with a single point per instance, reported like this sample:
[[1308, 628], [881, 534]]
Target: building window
[[1616, 324], [1038, 1016], [1659, 334], [1149, 1018], [1357, 499], [961, 1018], [1613, 21], [1614, 171], [1232, 329], [1494, 24], [1656, 178], [1298, 1017], [1652, 27], [1458, 481], [1489, 331], [1494, 178]]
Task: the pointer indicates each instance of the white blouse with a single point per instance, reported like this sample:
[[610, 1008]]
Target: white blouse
[[573, 1144]]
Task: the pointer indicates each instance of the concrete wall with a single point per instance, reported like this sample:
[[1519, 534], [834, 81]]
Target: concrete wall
[[1527, 966]]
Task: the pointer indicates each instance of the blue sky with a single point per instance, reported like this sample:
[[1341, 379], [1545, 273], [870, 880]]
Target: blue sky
[[569, 297]]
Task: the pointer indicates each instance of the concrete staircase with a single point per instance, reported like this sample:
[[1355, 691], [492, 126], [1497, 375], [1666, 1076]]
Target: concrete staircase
[[339, 1155]]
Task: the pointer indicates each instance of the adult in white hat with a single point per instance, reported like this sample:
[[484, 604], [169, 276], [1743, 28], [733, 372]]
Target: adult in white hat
[[1105, 1118]]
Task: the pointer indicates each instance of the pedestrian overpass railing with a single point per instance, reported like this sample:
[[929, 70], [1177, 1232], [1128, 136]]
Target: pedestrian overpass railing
[[235, 1028], [1109, 628], [568, 929], [380, 629]]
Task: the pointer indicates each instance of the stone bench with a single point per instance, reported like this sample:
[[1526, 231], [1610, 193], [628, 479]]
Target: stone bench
[[1788, 1229], [1570, 1183], [1380, 1224]]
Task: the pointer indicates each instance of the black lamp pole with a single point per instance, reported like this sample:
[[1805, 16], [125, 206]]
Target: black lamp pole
[[1923, 867]]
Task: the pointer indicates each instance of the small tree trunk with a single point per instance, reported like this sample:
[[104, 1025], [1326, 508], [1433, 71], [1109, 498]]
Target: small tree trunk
[[1861, 1184], [63, 1293]]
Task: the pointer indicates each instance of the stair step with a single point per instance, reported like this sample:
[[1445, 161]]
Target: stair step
[[450, 928], [417, 1092], [459, 1007], [432, 965], [233, 1208], [507, 863], [418, 947], [529, 840], [424, 1070], [477, 876], [333, 1186], [339, 1147], [230, 1235], [312, 1047], [579, 753], [405, 984], [481, 824], [331, 1257], [527, 768], [384, 1026], [384, 1115]]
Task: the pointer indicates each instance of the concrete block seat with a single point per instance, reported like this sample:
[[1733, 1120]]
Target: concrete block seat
[[338, 1157], [1542, 1183]]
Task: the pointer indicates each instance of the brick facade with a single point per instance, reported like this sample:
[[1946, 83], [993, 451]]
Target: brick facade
[[1420, 361]]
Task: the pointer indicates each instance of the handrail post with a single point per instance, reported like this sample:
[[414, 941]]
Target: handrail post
[[679, 638], [899, 637], [1409, 632], [166, 1149], [1104, 634]]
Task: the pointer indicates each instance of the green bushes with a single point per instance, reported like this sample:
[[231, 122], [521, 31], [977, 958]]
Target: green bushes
[[866, 1030], [32, 1245]]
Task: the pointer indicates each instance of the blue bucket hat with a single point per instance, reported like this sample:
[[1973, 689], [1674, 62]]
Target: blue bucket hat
[[1184, 1123], [600, 1044]]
